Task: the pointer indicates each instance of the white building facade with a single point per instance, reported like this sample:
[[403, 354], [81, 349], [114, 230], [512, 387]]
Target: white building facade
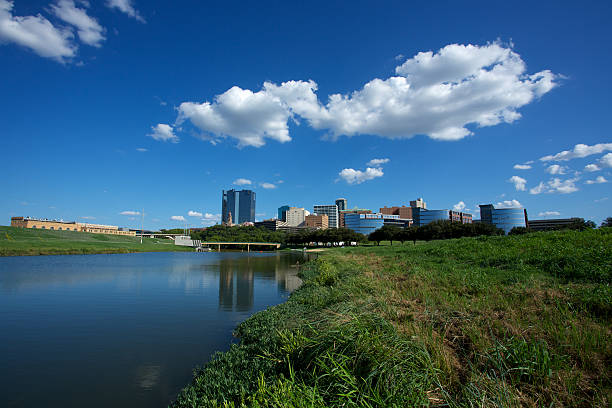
[[296, 216]]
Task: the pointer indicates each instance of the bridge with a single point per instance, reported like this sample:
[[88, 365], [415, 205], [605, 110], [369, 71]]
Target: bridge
[[185, 240], [158, 235], [248, 244]]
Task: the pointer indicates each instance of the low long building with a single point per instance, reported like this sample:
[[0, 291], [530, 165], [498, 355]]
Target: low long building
[[551, 224], [59, 225]]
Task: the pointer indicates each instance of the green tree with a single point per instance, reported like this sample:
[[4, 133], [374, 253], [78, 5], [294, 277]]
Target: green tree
[[377, 236], [390, 232], [607, 222]]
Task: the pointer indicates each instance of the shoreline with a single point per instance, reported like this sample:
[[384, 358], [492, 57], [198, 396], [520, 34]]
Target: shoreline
[[85, 252]]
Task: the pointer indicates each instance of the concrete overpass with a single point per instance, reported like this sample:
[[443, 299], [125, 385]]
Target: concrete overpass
[[185, 240], [248, 244]]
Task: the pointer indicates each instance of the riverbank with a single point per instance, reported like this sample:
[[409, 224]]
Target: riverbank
[[21, 241], [496, 321]]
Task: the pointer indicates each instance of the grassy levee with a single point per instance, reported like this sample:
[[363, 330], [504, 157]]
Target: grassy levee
[[473, 322], [22, 241]]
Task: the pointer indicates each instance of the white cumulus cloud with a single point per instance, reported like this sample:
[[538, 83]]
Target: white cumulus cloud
[[36, 33], [598, 180], [192, 213], [591, 168], [242, 182], [249, 117], [377, 162], [268, 186], [89, 30], [606, 160], [555, 185], [519, 183], [163, 133], [522, 167], [579, 151], [130, 213], [555, 169], [126, 7], [508, 204], [435, 94], [177, 218], [141, 149], [460, 206], [548, 213], [352, 176]]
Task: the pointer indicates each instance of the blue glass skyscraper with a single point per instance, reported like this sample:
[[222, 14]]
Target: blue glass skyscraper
[[241, 204]]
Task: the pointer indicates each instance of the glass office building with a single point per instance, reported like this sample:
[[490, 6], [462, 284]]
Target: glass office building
[[282, 212], [368, 223], [240, 203], [422, 216], [341, 204], [504, 218], [363, 223], [331, 211]]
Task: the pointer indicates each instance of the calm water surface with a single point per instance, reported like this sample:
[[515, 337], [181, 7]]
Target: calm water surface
[[124, 330]]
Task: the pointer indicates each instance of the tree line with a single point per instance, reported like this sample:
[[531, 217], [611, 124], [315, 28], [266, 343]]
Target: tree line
[[444, 229], [433, 231], [223, 233]]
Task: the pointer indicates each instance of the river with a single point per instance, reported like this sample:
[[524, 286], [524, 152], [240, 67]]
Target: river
[[125, 330]]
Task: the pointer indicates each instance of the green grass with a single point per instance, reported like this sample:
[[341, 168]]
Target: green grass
[[21, 241], [519, 321]]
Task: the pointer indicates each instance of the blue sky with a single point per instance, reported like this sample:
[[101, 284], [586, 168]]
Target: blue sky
[[109, 107]]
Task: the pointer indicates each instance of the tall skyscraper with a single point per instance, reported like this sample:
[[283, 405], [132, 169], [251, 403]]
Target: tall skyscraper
[[241, 204], [331, 211], [282, 212], [341, 204]]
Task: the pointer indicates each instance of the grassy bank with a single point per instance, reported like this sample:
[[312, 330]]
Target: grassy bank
[[21, 241], [474, 322]]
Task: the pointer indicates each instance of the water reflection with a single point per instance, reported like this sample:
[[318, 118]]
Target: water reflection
[[147, 376], [140, 322]]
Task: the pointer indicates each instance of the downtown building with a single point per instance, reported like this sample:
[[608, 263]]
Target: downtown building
[[342, 214], [420, 215], [316, 221], [504, 218], [295, 216], [331, 211], [239, 206], [368, 223]]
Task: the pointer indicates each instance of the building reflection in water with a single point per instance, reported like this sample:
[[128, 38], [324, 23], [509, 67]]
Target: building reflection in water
[[237, 276], [236, 284]]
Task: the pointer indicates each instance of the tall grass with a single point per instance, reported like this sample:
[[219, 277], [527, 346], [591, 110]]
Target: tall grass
[[497, 321]]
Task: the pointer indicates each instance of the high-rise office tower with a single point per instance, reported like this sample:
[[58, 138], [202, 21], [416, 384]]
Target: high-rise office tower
[[341, 203], [282, 212], [240, 203], [331, 211]]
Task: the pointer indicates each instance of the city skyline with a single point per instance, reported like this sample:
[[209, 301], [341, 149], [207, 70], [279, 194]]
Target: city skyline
[[460, 105]]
